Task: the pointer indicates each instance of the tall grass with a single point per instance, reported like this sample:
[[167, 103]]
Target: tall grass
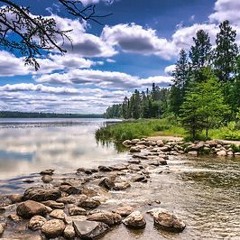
[[139, 128]]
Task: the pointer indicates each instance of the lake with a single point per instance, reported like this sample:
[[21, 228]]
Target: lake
[[204, 191]]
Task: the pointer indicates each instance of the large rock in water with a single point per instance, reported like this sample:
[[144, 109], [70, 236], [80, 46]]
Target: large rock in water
[[135, 220], [53, 228], [30, 208], [167, 220], [107, 217], [90, 229], [40, 194]]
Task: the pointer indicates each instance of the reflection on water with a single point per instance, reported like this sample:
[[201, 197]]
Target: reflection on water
[[31, 145], [204, 192]]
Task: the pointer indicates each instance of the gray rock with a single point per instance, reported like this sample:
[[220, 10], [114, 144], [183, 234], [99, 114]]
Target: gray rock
[[69, 232], [119, 167], [135, 220], [127, 143], [90, 229], [134, 161], [135, 141], [30, 208], [167, 220], [36, 222], [53, 228], [222, 153], [160, 143], [107, 217], [104, 169], [135, 149], [40, 194], [193, 153]]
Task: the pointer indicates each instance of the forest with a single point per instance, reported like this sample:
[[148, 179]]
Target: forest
[[204, 93]]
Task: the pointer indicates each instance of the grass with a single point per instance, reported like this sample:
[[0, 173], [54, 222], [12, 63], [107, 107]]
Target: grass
[[139, 129]]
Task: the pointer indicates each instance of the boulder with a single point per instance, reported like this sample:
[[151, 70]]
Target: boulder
[[1, 229], [167, 220], [135, 149], [36, 222], [69, 232], [124, 211], [74, 210], [104, 169], [69, 189], [135, 141], [53, 204], [135, 220], [90, 229], [160, 143], [89, 203], [40, 194], [53, 228], [119, 186], [30, 208], [47, 172], [47, 178], [106, 183], [222, 153], [57, 213], [127, 143], [107, 217]]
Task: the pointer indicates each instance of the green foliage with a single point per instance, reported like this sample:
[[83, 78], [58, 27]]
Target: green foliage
[[137, 129]]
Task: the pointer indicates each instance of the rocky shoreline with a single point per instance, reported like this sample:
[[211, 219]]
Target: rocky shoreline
[[80, 206]]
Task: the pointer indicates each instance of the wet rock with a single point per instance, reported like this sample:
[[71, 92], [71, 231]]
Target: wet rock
[[69, 232], [106, 183], [127, 143], [124, 210], [36, 222], [90, 229], [89, 203], [193, 153], [104, 169], [135, 220], [1, 229], [15, 198], [57, 213], [40, 194], [30, 208], [167, 220], [165, 148], [47, 178], [106, 217], [53, 204], [69, 189], [74, 210], [135, 141], [140, 156], [222, 153], [134, 161], [119, 167], [162, 161], [119, 186], [67, 200], [135, 149], [53, 228], [47, 172], [160, 143], [139, 178], [14, 217]]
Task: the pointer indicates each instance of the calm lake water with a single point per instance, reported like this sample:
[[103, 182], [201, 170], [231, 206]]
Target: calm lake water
[[204, 192]]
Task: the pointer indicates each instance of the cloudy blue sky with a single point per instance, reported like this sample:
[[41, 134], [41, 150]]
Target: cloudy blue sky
[[134, 47]]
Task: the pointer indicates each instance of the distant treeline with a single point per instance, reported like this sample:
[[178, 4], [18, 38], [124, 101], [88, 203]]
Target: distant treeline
[[9, 114]]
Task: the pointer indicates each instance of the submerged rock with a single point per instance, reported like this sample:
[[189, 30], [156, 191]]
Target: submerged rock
[[167, 220], [135, 220], [30, 208], [90, 229], [53, 228]]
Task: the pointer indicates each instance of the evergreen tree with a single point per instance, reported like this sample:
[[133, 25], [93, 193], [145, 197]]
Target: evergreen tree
[[181, 75], [226, 52]]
